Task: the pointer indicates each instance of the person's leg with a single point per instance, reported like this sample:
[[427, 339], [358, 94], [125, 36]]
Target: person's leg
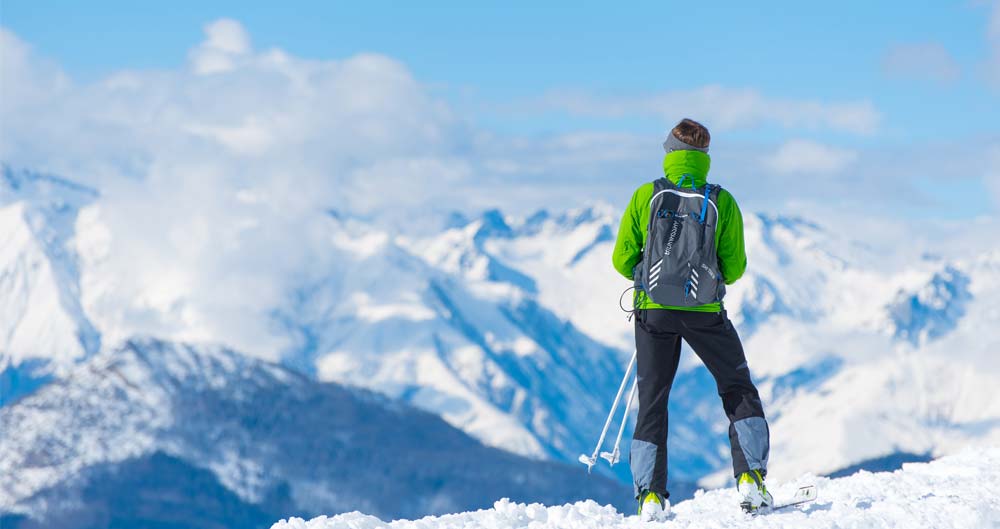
[[658, 347], [715, 341]]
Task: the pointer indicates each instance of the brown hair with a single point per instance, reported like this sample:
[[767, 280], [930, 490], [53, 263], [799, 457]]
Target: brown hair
[[692, 133]]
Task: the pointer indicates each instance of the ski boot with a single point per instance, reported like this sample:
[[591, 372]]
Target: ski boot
[[653, 507], [756, 498]]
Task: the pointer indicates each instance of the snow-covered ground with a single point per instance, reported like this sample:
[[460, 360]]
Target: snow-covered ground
[[957, 491]]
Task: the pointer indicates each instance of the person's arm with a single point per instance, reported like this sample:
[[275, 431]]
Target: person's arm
[[730, 246], [631, 233]]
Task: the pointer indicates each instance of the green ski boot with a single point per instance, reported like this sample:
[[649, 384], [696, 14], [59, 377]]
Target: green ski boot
[[653, 507], [756, 498]]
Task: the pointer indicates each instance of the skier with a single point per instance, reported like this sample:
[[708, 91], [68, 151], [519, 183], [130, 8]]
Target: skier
[[681, 241]]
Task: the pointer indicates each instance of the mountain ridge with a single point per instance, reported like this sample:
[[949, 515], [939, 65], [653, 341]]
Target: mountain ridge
[[271, 437]]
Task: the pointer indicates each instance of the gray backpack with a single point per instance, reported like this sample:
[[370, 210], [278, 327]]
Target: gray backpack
[[679, 265]]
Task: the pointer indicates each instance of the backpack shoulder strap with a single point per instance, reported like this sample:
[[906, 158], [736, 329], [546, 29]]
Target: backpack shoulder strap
[[709, 190]]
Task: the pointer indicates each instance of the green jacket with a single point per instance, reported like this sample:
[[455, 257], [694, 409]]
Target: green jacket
[[635, 221]]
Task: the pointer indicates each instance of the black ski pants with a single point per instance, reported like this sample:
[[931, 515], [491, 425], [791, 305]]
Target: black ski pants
[[658, 334]]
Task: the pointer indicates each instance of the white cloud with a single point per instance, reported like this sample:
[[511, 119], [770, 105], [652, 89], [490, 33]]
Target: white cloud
[[225, 44], [569, 153], [726, 109], [804, 156], [25, 78], [922, 61], [251, 136], [329, 116]]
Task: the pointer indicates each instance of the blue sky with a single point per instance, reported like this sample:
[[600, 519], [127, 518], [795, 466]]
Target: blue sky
[[920, 70]]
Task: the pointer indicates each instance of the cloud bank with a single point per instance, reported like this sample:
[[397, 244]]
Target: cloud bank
[[804, 156], [215, 177], [725, 109]]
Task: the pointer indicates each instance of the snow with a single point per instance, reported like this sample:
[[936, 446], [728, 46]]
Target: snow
[[443, 325], [952, 492], [43, 328], [564, 254]]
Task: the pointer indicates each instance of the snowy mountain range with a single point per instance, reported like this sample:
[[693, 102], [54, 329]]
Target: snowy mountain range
[[188, 436], [508, 328], [455, 331]]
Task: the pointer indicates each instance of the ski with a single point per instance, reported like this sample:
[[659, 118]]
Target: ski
[[803, 495]]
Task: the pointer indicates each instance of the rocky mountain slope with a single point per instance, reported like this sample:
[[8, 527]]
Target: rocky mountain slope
[[182, 436]]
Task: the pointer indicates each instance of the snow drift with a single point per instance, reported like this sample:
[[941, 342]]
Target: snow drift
[[952, 492]]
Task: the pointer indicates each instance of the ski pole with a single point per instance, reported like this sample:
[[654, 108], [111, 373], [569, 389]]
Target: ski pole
[[614, 456], [592, 460]]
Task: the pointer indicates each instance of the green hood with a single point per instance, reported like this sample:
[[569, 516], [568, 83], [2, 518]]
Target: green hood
[[694, 164]]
